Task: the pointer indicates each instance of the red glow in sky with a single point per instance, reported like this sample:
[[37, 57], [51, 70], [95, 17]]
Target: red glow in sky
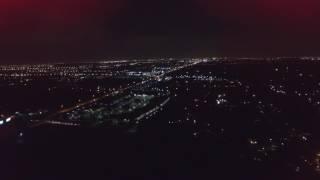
[[55, 28], [54, 12]]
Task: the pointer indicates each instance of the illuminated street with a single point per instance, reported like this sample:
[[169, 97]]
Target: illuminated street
[[164, 113]]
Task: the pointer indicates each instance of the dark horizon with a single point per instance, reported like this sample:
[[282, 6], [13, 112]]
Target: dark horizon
[[74, 60]]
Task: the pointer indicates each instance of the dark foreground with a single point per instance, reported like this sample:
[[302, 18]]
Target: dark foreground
[[178, 120], [63, 153]]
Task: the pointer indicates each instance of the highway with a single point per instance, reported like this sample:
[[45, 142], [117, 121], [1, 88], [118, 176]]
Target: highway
[[51, 118]]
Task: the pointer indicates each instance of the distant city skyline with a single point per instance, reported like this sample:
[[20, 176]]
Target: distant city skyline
[[139, 116]]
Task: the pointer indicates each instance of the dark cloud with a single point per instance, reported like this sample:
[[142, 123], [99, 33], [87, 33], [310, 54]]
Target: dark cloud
[[40, 30]]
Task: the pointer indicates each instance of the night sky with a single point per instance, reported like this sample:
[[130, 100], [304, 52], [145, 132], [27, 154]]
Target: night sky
[[47, 30]]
